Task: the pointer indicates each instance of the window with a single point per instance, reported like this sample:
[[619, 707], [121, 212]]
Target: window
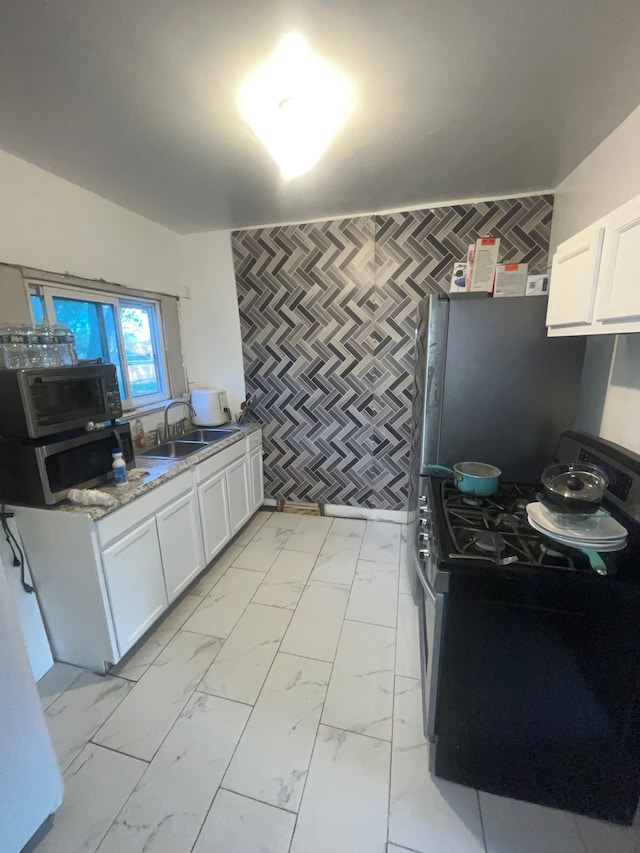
[[124, 331]]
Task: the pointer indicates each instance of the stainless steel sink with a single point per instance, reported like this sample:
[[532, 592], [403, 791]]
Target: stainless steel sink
[[210, 435], [175, 449]]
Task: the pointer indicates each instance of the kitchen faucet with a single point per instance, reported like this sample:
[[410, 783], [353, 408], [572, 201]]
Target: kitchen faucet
[[170, 405]]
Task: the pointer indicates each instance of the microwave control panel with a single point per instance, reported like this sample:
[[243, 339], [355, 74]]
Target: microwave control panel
[[114, 402]]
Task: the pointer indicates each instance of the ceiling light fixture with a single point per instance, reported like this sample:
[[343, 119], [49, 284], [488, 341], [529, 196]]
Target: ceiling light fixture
[[295, 103]]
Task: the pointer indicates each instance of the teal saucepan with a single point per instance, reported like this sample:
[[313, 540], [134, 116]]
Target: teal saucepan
[[472, 478]]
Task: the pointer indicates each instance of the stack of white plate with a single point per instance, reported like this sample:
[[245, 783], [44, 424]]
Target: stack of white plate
[[599, 533]]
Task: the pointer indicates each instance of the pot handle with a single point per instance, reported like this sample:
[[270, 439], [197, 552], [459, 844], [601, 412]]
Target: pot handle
[[438, 469]]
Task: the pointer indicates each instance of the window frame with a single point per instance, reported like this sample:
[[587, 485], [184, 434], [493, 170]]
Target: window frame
[[48, 290]]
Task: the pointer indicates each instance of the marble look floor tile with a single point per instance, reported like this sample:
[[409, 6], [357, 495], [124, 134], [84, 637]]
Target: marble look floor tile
[[344, 808], [374, 594], [138, 663], [381, 542], [221, 609], [217, 569], [360, 695], [307, 541], [55, 681], [408, 638], [337, 560], [406, 569], [511, 826], [285, 581], [272, 534], [315, 628], [96, 786], [259, 556], [283, 520], [171, 800], [249, 530], [141, 722], [236, 824], [239, 670], [601, 837], [353, 527], [77, 715], [135, 666], [272, 758], [426, 813], [393, 848]]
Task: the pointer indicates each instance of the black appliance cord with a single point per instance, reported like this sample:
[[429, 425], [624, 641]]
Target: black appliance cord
[[16, 550]]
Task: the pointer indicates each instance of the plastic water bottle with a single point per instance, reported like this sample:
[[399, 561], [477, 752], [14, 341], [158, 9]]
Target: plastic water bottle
[[119, 468], [13, 347], [48, 346]]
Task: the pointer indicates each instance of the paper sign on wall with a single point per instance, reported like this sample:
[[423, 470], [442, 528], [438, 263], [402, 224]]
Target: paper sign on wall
[[484, 257]]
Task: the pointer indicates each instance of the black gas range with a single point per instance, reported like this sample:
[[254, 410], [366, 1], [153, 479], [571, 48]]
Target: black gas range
[[531, 660]]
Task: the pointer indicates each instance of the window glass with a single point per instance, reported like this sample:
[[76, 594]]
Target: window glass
[[137, 332], [37, 308], [123, 332], [89, 322]]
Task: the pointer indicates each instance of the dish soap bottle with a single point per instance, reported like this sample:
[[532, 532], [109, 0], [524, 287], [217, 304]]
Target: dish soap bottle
[[119, 468]]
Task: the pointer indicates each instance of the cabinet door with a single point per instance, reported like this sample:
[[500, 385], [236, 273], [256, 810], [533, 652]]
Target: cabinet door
[[574, 279], [238, 491], [135, 582], [180, 543], [618, 291], [214, 514], [256, 479]]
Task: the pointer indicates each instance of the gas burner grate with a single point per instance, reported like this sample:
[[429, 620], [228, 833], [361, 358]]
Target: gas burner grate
[[497, 530]]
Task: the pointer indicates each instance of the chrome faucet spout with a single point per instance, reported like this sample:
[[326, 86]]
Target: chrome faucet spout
[[170, 405]]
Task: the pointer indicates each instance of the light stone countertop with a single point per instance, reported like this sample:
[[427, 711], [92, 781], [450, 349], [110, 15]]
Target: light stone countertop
[[159, 471]]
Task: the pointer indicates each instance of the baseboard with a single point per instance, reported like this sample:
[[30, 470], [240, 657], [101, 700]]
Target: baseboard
[[397, 516]]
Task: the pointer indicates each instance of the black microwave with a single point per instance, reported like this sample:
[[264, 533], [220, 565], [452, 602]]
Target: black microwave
[[40, 401]]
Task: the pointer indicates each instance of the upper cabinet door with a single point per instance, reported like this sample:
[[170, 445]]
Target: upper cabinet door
[[619, 290], [574, 278]]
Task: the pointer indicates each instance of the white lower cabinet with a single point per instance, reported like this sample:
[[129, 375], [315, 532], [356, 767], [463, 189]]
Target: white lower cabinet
[[180, 543], [135, 583], [256, 479], [238, 494], [214, 514]]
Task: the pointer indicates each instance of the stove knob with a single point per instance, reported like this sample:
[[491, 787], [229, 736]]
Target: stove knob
[[425, 553], [422, 499], [423, 522], [424, 510], [423, 537]]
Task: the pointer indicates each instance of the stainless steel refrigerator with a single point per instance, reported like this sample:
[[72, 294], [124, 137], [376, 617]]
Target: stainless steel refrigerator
[[490, 386]]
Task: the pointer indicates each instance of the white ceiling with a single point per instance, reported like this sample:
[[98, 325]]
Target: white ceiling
[[135, 99]]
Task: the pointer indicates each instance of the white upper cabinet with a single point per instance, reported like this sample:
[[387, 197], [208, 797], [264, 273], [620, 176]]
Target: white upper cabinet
[[594, 279], [619, 289], [574, 278]]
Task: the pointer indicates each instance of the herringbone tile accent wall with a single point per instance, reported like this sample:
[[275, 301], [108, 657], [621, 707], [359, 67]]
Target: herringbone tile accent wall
[[327, 314]]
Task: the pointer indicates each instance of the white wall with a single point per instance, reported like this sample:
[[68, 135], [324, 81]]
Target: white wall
[[608, 177], [51, 224], [211, 336]]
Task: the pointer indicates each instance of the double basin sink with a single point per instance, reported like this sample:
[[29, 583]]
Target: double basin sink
[[190, 442]]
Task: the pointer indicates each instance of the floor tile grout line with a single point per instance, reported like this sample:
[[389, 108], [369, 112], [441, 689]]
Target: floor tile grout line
[[484, 834], [92, 742], [580, 835], [315, 740], [160, 745], [221, 787], [393, 707]]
